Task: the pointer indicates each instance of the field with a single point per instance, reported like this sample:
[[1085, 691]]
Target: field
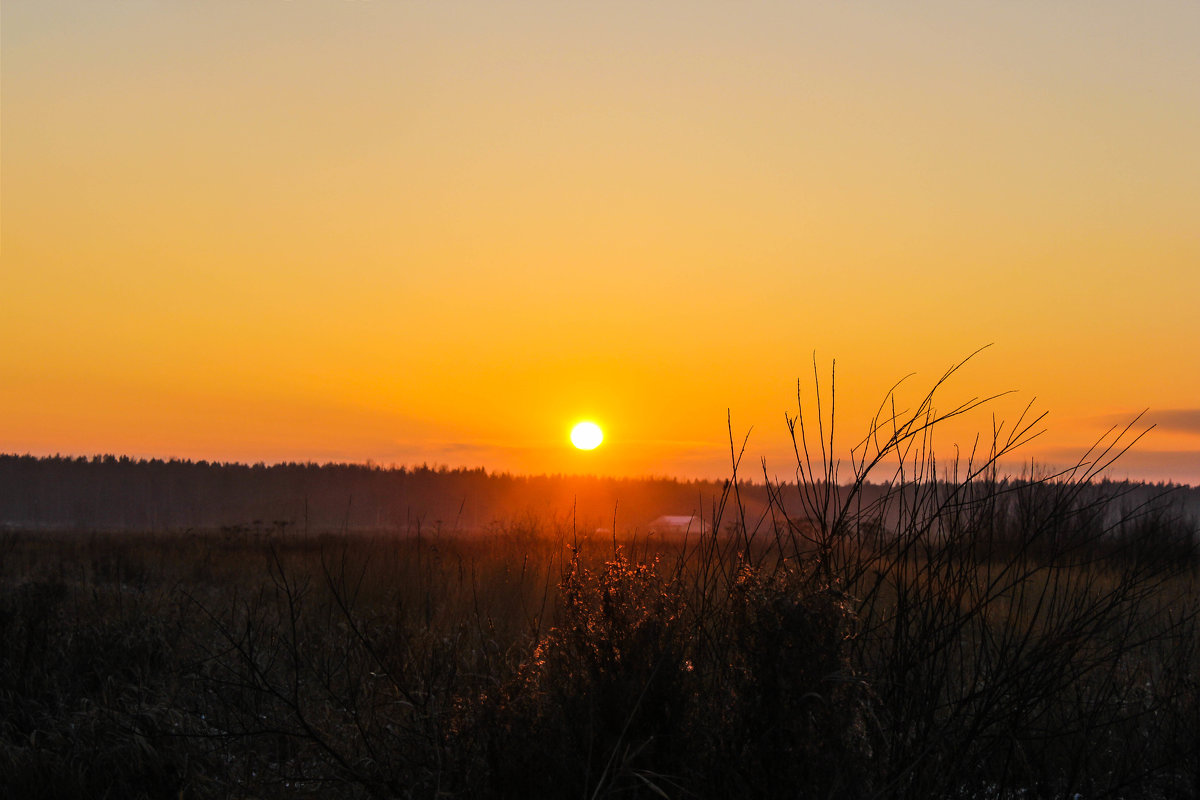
[[1035, 657], [943, 632]]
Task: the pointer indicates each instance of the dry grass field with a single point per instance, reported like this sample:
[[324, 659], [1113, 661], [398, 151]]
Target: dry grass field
[[939, 633], [1038, 657]]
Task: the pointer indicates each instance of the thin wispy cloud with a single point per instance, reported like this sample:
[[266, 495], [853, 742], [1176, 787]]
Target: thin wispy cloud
[[1184, 420], [1175, 420]]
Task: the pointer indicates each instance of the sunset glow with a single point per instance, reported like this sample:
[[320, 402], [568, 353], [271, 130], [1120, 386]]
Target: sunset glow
[[329, 231]]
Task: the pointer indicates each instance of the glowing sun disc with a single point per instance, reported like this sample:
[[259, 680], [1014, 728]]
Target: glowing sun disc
[[587, 436]]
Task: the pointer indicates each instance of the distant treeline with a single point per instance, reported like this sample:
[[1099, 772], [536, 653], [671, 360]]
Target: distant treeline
[[119, 493]]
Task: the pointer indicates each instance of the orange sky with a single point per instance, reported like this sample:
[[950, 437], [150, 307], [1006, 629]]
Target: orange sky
[[444, 232]]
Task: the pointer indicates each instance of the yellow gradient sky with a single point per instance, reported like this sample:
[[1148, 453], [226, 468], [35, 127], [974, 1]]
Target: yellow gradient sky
[[444, 232]]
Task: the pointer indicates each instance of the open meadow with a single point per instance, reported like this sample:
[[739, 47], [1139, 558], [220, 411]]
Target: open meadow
[[970, 638], [923, 630]]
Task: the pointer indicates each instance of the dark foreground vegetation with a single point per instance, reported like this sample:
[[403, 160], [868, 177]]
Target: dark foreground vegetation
[[952, 635]]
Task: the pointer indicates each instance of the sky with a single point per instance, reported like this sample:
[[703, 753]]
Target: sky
[[443, 232]]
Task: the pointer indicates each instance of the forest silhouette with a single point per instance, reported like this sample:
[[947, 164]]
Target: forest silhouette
[[118, 493]]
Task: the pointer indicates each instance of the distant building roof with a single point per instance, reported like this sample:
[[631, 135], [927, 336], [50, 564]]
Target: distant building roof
[[674, 523]]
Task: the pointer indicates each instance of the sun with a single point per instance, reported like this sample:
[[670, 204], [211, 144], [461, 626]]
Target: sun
[[587, 436]]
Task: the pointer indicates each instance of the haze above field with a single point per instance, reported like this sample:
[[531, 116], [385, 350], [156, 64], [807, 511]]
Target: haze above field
[[447, 232]]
